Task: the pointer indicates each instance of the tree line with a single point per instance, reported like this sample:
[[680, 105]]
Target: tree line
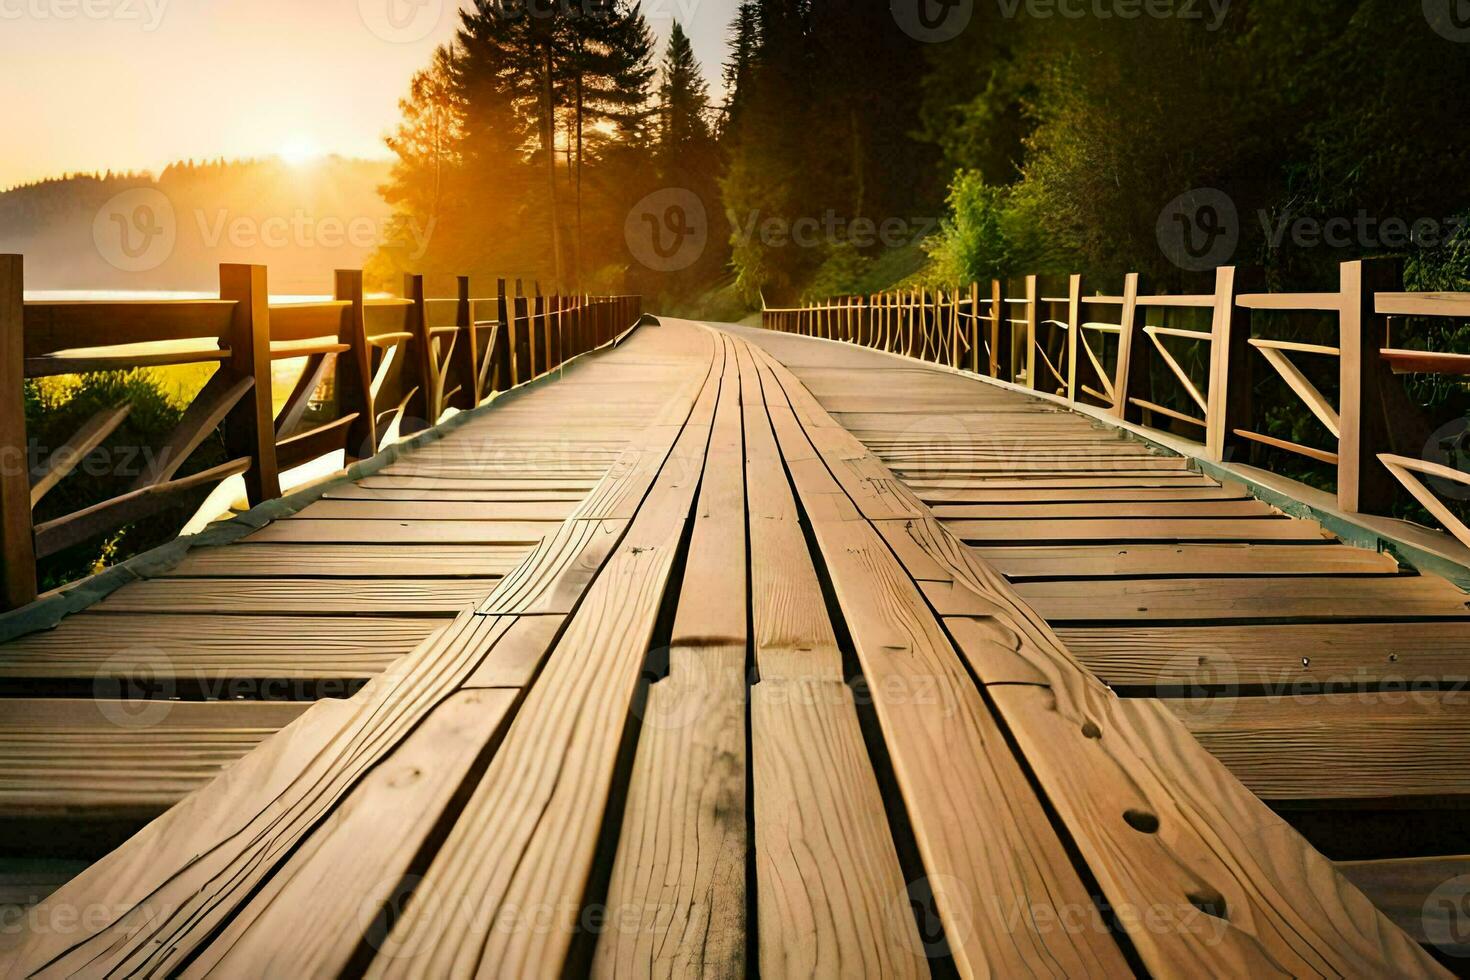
[[1265, 132]]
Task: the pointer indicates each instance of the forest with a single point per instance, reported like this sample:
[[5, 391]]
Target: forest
[[856, 146]]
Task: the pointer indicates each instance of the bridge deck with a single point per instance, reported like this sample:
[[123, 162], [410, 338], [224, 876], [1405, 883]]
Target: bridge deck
[[799, 669]]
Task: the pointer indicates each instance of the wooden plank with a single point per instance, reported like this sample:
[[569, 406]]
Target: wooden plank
[[438, 510], [59, 325], [315, 443], [1042, 511], [528, 836], [121, 760], [831, 891], [246, 560], [206, 857], [1284, 657], [1143, 529], [1160, 823], [326, 897], [949, 757], [299, 596], [1396, 745], [1240, 599], [1195, 560], [208, 651], [136, 505], [299, 530], [1422, 896], [682, 842], [356, 491], [1078, 495]]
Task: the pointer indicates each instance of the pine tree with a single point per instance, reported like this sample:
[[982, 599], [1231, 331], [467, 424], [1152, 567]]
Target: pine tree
[[683, 96], [744, 41]]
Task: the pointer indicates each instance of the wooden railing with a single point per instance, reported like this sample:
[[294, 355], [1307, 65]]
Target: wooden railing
[[396, 365], [1098, 350]]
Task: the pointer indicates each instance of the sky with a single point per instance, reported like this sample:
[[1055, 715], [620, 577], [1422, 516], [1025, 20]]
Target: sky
[[136, 84]]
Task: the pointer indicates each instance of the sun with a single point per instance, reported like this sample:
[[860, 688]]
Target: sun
[[300, 151]]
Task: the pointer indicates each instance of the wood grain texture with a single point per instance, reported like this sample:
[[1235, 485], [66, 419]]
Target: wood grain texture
[[1174, 560], [123, 760], [1245, 529], [305, 596], [951, 762], [1161, 824], [300, 530], [1371, 745], [681, 850], [1277, 657], [244, 560], [317, 909], [528, 835], [96, 646], [1265, 598]]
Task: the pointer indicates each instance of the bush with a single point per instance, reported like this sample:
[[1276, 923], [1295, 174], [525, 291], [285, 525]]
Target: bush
[[56, 408]]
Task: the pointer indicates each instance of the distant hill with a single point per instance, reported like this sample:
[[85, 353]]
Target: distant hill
[[138, 232]]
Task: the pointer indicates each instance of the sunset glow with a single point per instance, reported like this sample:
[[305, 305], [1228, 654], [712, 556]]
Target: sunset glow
[[167, 80]]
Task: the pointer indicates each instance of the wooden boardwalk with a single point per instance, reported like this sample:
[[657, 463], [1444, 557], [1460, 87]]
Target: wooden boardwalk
[[715, 656]]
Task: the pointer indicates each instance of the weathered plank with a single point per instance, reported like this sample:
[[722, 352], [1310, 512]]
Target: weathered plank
[[1282, 657], [1196, 560], [1371, 745], [527, 838], [121, 760], [302, 597], [245, 560], [1353, 597], [682, 843], [1144, 529], [1161, 824]]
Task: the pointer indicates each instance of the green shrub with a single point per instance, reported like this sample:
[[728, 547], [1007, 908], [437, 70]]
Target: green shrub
[[56, 408]]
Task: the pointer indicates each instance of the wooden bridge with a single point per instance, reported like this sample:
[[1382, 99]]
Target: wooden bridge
[[717, 650]]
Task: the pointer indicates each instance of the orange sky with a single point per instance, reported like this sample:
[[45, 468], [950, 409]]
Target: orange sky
[[134, 84]]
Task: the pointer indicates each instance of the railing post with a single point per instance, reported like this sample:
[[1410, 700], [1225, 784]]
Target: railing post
[[17, 532], [424, 405], [1074, 333], [464, 366], [1229, 366], [249, 429], [521, 341], [503, 344], [1033, 323], [1130, 354], [354, 371], [997, 311], [1364, 485]]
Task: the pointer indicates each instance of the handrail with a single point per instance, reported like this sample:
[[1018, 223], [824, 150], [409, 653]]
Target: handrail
[[1002, 335], [388, 368]]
